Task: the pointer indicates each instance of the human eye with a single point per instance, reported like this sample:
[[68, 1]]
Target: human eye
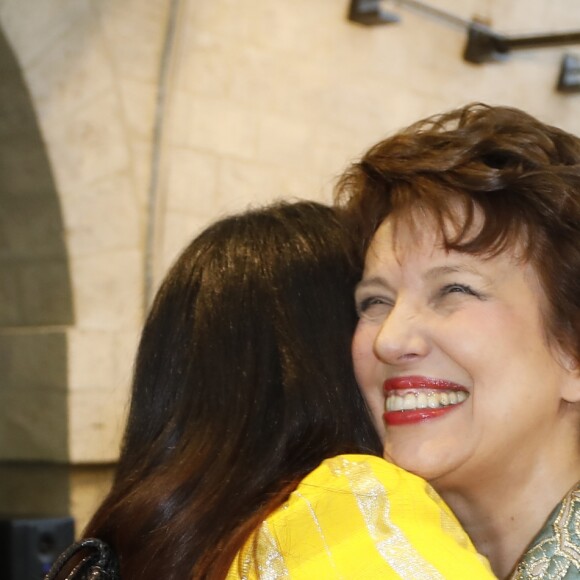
[[373, 307], [456, 288]]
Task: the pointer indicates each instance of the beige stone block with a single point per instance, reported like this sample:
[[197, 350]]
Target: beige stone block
[[288, 29], [307, 184], [178, 112], [32, 26], [526, 80], [101, 359], [139, 101], [212, 125], [102, 216], [26, 172], [37, 489], [33, 359], [35, 282], [33, 424], [533, 16], [141, 167], [135, 32], [71, 72], [291, 88], [126, 343], [259, 78], [46, 291], [108, 290], [377, 56], [179, 229], [300, 31], [30, 221], [430, 44], [16, 114], [378, 118], [333, 148], [88, 144], [88, 487], [97, 420], [564, 108], [11, 308], [242, 184], [213, 23], [192, 180], [91, 359], [341, 105], [284, 140], [204, 68]]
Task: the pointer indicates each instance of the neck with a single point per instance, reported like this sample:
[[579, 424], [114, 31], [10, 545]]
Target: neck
[[502, 516]]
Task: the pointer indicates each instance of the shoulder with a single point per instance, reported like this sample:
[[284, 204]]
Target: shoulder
[[358, 516], [358, 472], [350, 480], [380, 499], [555, 551]]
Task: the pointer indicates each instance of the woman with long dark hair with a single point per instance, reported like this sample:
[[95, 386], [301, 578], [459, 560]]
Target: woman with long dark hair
[[249, 451]]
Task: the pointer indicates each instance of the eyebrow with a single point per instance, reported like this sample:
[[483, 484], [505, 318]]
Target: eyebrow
[[454, 269], [374, 281], [431, 274]]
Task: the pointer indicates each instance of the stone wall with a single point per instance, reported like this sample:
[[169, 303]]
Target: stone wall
[[157, 117]]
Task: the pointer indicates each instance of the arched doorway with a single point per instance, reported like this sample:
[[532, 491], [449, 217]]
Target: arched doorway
[[35, 298]]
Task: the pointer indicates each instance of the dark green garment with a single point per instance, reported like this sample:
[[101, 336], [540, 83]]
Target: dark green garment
[[555, 552]]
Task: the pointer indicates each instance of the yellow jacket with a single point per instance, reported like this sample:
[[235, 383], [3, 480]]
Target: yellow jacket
[[358, 516]]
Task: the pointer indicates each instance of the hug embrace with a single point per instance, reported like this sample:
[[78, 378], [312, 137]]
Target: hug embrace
[[428, 428]]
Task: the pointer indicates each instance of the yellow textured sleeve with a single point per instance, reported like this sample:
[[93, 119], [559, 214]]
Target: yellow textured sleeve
[[357, 516]]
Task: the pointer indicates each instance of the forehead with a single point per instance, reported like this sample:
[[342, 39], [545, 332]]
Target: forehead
[[419, 244], [401, 237], [460, 225]]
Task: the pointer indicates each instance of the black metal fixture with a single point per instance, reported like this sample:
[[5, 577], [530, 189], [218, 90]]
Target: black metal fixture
[[369, 13], [483, 44], [569, 79]]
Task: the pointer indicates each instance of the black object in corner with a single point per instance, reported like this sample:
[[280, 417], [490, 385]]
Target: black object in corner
[[30, 546]]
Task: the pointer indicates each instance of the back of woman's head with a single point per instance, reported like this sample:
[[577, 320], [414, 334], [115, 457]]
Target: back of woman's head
[[243, 383], [497, 166]]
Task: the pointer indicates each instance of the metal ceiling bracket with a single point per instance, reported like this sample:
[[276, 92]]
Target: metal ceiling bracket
[[569, 79], [485, 45], [369, 13]]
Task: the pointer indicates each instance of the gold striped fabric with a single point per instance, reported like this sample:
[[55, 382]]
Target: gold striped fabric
[[358, 516]]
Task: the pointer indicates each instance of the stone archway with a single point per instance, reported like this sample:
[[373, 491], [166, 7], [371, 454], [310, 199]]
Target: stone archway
[[35, 289], [35, 304]]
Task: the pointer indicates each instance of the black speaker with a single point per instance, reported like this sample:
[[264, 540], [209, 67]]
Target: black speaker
[[29, 546]]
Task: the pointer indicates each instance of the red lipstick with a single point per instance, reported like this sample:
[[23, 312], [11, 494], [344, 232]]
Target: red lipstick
[[418, 382], [414, 399]]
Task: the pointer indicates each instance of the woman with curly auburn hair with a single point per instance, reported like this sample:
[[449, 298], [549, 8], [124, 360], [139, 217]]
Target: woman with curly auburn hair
[[467, 348]]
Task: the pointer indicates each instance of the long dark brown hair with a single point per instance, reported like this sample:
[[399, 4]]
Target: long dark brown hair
[[243, 383], [519, 174]]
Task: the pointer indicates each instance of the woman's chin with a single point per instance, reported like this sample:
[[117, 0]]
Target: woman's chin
[[421, 468], [427, 463]]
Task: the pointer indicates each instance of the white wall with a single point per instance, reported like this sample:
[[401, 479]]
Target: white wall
[[262, 99]]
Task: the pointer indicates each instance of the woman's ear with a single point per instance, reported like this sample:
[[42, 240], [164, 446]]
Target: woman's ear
[[571, 385]]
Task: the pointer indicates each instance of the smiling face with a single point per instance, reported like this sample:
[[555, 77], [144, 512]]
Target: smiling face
[[456, 345]]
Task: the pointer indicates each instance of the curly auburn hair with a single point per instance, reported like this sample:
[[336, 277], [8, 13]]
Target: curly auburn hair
[[521, 176]]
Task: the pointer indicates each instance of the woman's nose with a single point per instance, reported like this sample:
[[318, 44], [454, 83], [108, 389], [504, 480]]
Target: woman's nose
[[402, 336]]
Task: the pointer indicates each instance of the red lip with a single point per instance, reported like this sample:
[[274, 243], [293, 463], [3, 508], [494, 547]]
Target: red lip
[[415, 384], [418, 382]]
